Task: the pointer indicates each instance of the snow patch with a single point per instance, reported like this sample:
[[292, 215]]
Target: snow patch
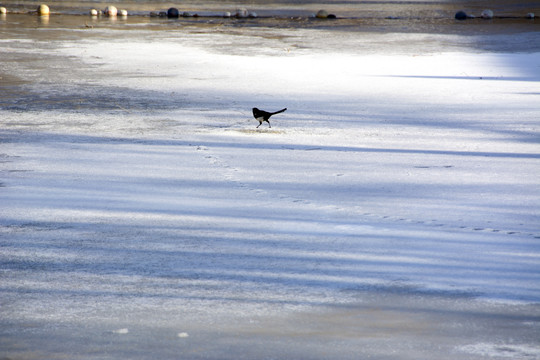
[[513, 351]]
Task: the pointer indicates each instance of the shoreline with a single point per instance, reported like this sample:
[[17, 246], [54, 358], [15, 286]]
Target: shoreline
[[377, 17], [407, 24], [340, 9], [382, 35]]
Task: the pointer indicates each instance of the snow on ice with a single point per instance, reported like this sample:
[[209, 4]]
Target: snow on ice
[[137, 194]]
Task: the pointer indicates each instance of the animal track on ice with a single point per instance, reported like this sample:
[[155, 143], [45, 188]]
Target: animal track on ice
[[230, 174]]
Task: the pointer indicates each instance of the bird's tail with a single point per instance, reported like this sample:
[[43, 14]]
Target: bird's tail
[[280, 111]]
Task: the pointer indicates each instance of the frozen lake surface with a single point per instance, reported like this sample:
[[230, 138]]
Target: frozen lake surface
[[391, 212]]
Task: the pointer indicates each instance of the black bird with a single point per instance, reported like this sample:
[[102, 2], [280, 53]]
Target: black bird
[[262, 115]]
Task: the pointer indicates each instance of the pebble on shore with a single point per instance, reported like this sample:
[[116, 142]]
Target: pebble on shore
[[43, 10]]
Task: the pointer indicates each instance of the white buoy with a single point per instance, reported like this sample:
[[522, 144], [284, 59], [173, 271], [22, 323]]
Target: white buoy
[[3, 10], [123, 12], [530, 15], [94, 12], [322, 14], [242, 13], [487, 14], [43, 10], [183, 335], [111, 11], [227, 14]]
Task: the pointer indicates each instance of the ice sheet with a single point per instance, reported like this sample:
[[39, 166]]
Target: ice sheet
[[392, 209]]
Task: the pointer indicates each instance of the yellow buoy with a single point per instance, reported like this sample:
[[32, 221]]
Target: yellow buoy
[[43, 10]]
